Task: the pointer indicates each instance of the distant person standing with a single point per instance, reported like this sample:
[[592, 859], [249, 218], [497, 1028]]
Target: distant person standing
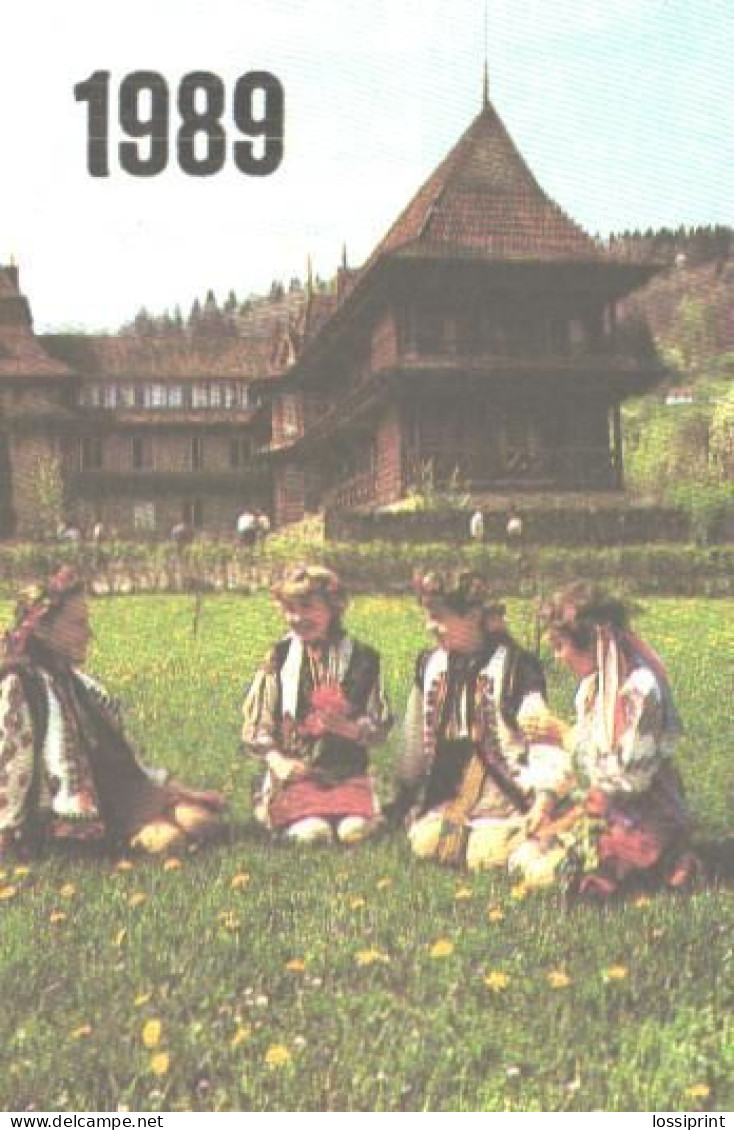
[[514, 527], [246, 527], [262, 526], [98, 536], [476, 526]]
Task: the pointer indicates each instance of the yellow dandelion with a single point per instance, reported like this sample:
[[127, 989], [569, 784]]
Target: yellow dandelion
[[21, 872], [356, 903], [124, 865], [56, 917], [137, 898], [496, 980], [244, 1031], [67, 891], [463, 894], [384, 883], [278, 1055], [370, 957], [495, 914], [81, 1032], [8, 892], [228, 920], [442, 948], [160, 1063], [642, 902], [141, 999], [520, 891], [241, 879], [615, 973], [173, 863], [698, 1091], [558, 979], [296, 965], [120, 937], [3, 873], [152, 1032]]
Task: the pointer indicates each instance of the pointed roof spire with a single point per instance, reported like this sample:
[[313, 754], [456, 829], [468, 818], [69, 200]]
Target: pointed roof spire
[[345, 265], [309, 277], [485, 83]]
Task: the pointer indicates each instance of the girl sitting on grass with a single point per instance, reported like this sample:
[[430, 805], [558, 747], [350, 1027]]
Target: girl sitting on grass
[[631, 820], [469, 781], [311, 715], [67, 771]]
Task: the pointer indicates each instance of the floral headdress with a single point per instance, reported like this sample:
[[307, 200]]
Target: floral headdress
[[35, 604], [459, 591], [306, 581]]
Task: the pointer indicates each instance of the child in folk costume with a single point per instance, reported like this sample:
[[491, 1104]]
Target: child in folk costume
[[472, 785], [312, 713], [631, 819], [67, 770]]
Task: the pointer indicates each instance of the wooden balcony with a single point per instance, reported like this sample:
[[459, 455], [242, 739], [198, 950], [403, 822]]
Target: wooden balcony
[[561, 468], [92, 483]]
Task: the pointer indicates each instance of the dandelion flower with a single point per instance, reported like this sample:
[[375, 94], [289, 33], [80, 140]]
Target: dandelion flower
[[67, 891], [558, 979], [8, 892], [384, 883], [141, 999], [496, 980], [277, 1055], [642, 902], [160, 1063], [56, 917], [356, 903], [172, 864], [244, 1031], [229, 920], [463, 894], [82, 1031], [495, 914], [136, 899], [442, 948], [120, 936], [297, 965], [520, 891], [615, 973], [21, 872], [698, 1091], [124, 865], [241, 879], [152, 1031], [370, 957]]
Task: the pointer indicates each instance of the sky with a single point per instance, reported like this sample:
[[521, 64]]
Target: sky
[[622, 108]]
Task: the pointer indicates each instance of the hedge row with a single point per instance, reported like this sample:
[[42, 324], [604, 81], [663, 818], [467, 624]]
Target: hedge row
[[670, 570]]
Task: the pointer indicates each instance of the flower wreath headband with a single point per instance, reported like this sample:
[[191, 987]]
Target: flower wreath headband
[[458, 591], [311, 580], [35, 603]]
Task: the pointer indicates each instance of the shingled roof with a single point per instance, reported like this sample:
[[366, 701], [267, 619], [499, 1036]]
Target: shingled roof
[[161, 358], [21, 353], [483, 201]]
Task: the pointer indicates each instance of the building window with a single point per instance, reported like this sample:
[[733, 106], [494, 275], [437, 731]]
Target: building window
[[109, 396], [199, 396], [215, 396], [289, 407], [193, 513], [90, 455], [229, 393], [240, 452], [142, 453], [126, 396], [175, 396], [197, 453], [144, 516]]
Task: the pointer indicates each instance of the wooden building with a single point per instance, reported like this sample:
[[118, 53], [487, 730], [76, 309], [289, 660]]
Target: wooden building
[[478, 344]]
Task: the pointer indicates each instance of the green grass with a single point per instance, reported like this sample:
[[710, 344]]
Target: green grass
[[403, 1030]]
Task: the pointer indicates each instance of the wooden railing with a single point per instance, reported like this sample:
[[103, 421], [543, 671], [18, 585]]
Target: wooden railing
[[578, 467]]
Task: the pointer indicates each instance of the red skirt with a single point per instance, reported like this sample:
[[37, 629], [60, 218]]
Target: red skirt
[[300, 799]]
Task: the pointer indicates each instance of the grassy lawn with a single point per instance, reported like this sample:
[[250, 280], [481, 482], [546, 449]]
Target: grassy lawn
[[259, 977]]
